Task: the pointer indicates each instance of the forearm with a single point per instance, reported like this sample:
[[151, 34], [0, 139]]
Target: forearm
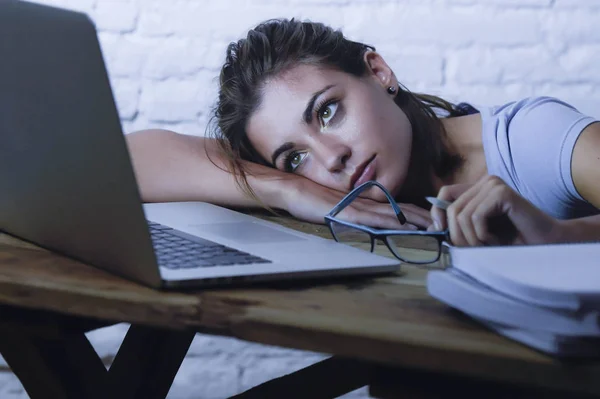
[[175, 167], [586, 229]]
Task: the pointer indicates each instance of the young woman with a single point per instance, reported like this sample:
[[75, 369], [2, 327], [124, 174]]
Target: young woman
[[304, 115]]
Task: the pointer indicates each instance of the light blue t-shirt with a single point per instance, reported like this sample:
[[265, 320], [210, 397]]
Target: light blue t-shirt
[[529, 144]]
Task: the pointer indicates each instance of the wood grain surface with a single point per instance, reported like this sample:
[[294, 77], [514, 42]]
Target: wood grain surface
[[388, 320]]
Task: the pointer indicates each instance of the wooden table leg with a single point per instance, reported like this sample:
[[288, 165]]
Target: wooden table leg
[[327, 379], [147, 362], [53, 358], [60, 366]]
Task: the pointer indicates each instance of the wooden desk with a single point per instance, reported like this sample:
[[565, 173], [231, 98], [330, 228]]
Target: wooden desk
[[385, 332]]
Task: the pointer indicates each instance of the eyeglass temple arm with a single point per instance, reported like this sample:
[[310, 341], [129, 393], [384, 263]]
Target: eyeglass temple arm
[[358, 190]]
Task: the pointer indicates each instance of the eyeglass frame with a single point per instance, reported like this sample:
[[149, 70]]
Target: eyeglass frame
[[442, 237]]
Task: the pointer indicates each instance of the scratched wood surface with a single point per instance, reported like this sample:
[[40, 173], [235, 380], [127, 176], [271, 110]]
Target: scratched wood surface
[[389, 320]]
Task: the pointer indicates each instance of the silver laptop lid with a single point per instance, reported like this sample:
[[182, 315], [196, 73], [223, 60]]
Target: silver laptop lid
[[66, 180]]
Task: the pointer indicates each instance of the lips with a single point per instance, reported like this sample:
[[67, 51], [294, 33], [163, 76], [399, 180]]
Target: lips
[[363, 173]]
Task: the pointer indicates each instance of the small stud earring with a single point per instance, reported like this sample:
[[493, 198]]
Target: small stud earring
[[391, 90]]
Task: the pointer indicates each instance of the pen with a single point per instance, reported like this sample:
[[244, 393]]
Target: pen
[[442, 204]]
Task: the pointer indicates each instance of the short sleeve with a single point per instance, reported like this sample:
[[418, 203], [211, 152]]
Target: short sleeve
[[537, 149]]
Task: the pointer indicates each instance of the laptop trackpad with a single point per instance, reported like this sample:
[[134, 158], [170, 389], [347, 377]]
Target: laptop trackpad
[[246, 232]]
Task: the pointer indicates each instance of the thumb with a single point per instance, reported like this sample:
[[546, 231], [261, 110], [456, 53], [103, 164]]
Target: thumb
[[431, 227]]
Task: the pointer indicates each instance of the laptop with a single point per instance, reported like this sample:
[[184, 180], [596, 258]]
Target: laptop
[[67, 183]]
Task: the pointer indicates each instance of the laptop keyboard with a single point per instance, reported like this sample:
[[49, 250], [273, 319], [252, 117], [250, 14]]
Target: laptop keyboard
[[178, 250]]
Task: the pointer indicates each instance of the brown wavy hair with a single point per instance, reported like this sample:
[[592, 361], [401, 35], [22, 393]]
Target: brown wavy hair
[[280, 44]]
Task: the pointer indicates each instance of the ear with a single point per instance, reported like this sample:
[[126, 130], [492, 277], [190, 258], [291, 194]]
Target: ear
[[379, 69]]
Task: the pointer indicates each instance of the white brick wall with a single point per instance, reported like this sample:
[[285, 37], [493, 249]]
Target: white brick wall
[[163, 57]]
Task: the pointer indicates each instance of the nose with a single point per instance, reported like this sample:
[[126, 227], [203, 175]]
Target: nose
[[332, 153]]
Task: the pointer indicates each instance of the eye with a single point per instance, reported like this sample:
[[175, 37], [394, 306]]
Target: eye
[[293, 160], [327, 112]]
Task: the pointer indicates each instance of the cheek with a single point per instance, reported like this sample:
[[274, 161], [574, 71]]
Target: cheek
[[317, 173], [397, 141], [404, 133], [385, 124], [399, 122], [320, 175], [398, 133]]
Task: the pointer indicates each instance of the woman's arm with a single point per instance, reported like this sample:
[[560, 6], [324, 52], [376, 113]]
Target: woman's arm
[[468, 218], [489, 212], [585, 168], [175, 167], [478, 210]]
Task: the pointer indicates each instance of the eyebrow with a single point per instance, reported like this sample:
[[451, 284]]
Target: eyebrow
[[281, 149], [308, 114]]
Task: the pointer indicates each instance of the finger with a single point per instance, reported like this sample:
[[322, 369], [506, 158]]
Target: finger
[[466, 218], [490, 208], [456, 234], [466, 205], [387, 222], [456, 216], [417, 215], [379, 221], [422, 222], [461, 229], [447, 193], [374, 219], [382, 209], [438, 217], [414, 214], [411, 218]]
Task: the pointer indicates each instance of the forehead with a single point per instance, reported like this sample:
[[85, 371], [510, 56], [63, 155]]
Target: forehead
[[298, 80], [283, 99]]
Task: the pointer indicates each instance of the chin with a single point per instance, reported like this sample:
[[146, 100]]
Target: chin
[[393, 189], [377, 195]]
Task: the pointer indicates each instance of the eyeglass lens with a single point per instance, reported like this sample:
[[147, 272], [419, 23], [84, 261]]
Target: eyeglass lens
[[414, 248], [351, 236]]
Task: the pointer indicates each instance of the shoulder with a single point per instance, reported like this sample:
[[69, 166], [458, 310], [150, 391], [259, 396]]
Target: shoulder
[[531, 143], [535, 110], [522, 124]]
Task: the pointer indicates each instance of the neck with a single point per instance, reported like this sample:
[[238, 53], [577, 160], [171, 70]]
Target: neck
[[463, 137]]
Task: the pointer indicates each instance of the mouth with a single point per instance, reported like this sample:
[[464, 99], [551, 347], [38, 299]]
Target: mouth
[[363, 173]]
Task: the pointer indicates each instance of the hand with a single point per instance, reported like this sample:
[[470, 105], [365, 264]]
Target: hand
[[491, 213], [310, 201]]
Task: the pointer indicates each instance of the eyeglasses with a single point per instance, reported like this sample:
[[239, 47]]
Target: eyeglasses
[[417, 247]]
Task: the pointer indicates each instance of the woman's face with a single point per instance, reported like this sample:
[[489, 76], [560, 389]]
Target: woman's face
[[334, 128]]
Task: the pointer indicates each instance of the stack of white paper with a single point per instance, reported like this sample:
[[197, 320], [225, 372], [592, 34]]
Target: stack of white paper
[[545, 296]]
